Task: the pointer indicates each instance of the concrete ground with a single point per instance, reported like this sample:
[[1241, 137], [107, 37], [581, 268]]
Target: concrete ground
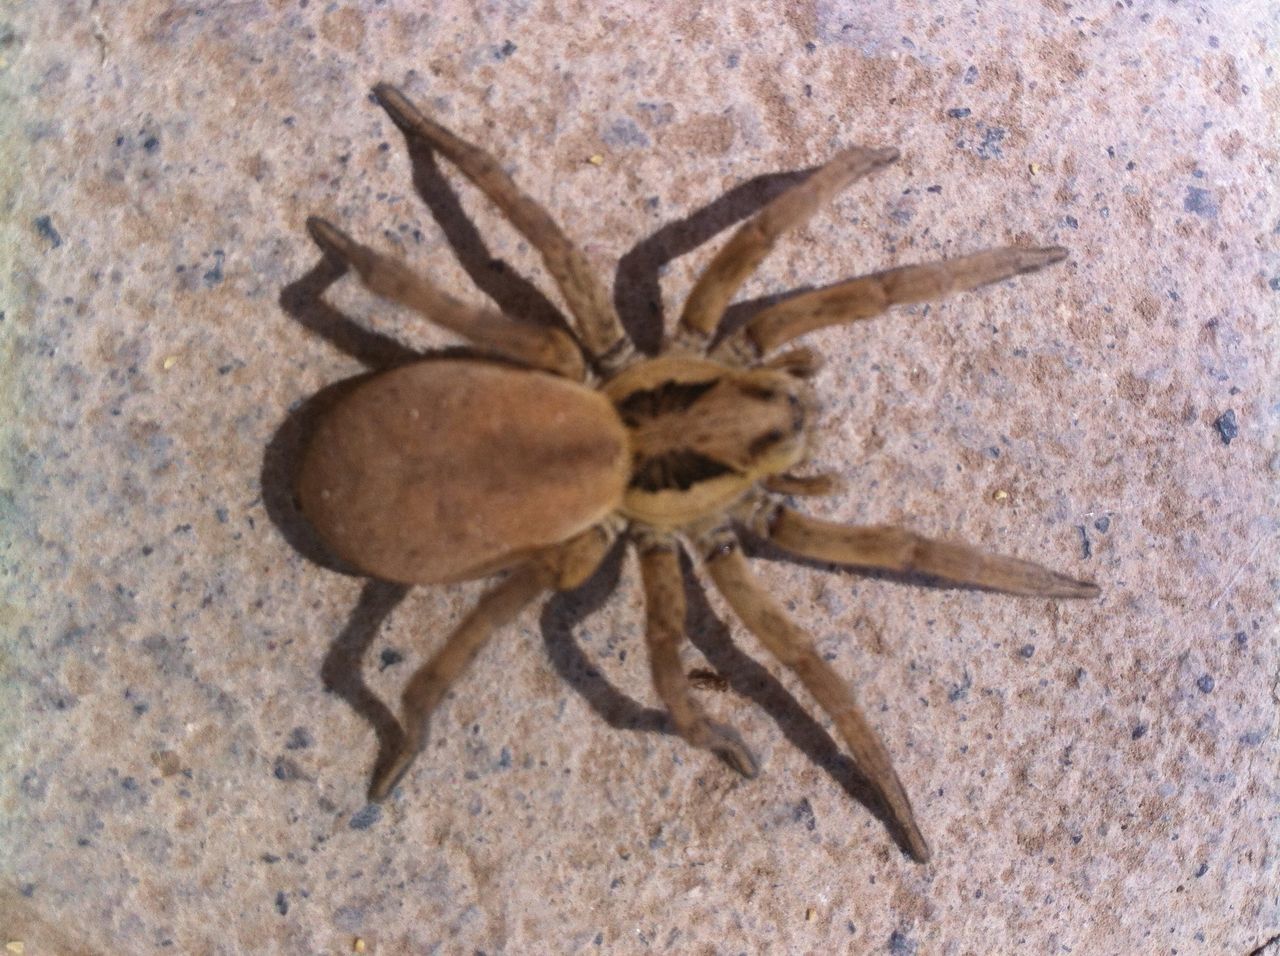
[[1093, 777]]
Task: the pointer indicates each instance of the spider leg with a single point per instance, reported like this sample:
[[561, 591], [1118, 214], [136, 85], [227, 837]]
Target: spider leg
[[665, 609], [599, 326], [540, 347], [564, 566], [754, 240], [801, 485], [896, 549], [794, 649], [870, 295], [498, 606]]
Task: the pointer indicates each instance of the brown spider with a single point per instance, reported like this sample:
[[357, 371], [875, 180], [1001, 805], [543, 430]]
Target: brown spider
[[534, 461]]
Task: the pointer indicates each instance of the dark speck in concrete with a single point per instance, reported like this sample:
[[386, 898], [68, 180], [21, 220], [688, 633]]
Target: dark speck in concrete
[[1026, 650], [1103, 524], [1200, 201], [299, 739], [286, 769], [1086, 549], [1071, 221], [1205, 683], [623, 132], [934, 189], [1241, 638], [803, 813], [389, 658], [44, 226], [214, 275], [1274, 284], [366, 817], [1226, 426], [151, 144], [971, 75], [732, 61], [1202, 869], [810, 47], [960, 691], [282, 903], [1139, 731], [505, 50], [992, 136], [900, 944], [959, 112]]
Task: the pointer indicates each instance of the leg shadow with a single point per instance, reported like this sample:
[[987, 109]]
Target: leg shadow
[[514, 295], [564, 612], [342, 671]]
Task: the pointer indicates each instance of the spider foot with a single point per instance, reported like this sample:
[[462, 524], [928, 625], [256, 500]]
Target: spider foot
[[333, 242], [726, 744], [392, 765]]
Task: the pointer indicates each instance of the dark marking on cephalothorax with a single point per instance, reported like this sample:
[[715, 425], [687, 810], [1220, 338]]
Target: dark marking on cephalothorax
[[667, 398], [680, 470], [762, 443], [760, 393]]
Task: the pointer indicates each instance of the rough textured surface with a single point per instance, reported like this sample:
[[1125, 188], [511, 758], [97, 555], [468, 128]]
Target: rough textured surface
[[1094, 778]]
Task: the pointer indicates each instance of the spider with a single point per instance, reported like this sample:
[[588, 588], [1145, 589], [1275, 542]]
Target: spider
[[534, 456]]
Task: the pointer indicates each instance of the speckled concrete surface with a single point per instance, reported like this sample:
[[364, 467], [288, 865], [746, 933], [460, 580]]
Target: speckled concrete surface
[[1094, 778]]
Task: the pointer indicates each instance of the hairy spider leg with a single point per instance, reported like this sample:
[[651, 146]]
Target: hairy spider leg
[[871, 295], [754, 240], [794, 649], [562, 567], [664, 634], [888, 548], [599, 327], [536, 346]]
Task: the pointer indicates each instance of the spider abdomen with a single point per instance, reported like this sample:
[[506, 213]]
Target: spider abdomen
[[448, 469]]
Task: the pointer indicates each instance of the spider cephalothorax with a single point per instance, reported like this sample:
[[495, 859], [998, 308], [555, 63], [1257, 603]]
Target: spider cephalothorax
[[532, 463], [702, 434]]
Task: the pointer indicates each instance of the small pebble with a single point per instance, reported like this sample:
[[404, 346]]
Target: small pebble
[[1226, 425]]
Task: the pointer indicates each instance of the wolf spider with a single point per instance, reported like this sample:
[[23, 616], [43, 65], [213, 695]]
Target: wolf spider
[[533, 458]]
